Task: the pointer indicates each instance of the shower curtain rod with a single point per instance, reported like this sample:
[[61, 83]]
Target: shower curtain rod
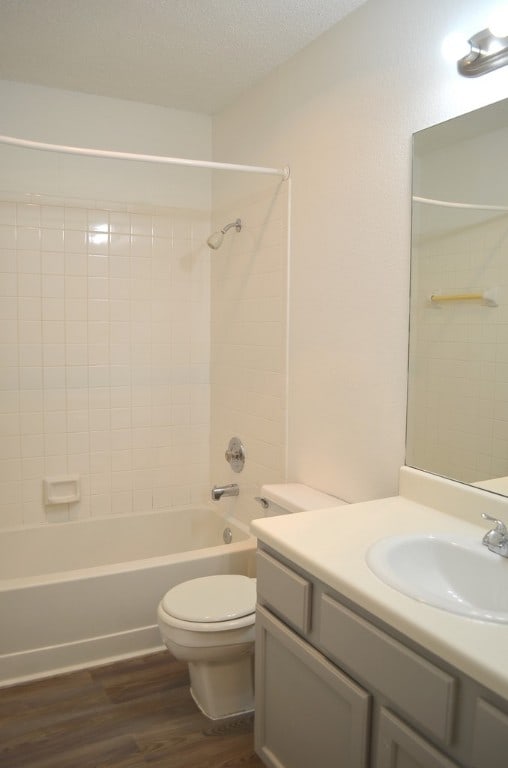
[[446, 204], [106, 153]]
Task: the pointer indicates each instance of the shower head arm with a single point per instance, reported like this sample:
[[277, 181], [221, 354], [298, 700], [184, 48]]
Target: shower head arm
[[236, 224]]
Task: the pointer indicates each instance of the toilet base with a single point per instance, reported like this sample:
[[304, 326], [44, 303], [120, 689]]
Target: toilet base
[[223, 689]]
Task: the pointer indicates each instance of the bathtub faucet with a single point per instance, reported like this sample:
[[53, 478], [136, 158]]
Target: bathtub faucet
[[219, 491]]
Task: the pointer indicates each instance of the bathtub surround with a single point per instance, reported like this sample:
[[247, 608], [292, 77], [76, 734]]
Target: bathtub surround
[[106, 307], [105, 345]]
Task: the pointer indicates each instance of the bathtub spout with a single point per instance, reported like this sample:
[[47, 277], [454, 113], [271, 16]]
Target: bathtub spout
[[219, 491]]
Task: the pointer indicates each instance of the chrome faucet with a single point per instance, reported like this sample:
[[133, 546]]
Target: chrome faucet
[[497, 538], [218, 491]]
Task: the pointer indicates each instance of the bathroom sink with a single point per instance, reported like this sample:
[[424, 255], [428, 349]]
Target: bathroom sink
[[457, 575]]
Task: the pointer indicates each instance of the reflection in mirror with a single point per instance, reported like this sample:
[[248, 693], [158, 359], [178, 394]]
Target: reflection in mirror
[[457, 424]]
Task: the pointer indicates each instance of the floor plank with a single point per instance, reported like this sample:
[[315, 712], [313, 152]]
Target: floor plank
[[136, 713]]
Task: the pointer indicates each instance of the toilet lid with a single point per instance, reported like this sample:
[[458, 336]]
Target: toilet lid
[[212, 598]]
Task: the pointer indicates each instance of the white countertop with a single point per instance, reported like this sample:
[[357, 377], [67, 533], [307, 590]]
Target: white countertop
[[331, 545]]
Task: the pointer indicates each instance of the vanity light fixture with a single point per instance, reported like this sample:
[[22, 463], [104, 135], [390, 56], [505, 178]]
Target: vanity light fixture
[[488, 48]]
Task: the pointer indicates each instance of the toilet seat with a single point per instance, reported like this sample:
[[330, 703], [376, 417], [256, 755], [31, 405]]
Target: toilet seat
[[212, 600], [195, 628]]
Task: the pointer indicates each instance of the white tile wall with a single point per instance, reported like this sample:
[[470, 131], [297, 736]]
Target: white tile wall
[[249, 336], [104, 356], [458, 404]]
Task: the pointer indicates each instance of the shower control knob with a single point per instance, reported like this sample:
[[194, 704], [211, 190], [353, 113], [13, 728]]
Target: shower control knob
[[235, 454]]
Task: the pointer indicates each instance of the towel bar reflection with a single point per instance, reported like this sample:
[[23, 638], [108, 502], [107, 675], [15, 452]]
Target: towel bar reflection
[[486, 296]]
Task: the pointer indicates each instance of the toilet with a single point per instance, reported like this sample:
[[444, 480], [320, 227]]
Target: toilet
[[209, 621]]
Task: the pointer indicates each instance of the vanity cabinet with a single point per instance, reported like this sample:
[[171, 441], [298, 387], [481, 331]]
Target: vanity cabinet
[[337, 688]]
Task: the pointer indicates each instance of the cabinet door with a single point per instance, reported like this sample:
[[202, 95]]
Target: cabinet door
[[490, 736], [307, 712], [400, 747]]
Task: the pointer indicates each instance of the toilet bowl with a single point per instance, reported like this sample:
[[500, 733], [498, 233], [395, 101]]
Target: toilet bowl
[[209, 621]]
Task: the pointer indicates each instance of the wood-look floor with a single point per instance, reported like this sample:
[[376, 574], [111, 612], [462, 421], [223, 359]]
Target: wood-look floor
[[136, 713]]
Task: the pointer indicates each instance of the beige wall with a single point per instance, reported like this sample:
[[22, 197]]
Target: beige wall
[[77, 119], [341, 114]]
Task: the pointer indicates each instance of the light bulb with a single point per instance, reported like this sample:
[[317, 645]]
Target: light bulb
[[455, 46], [498, 21]]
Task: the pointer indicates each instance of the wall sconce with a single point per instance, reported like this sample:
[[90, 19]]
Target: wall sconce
[[488, 48]]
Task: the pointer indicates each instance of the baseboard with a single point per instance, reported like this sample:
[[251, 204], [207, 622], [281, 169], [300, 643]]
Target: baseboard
[[38, 663]]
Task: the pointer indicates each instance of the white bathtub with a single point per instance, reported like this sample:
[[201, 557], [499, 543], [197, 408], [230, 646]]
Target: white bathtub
[[81, 593]]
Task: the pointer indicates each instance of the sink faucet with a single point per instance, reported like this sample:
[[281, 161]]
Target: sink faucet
[[219, 491], [497, 538]]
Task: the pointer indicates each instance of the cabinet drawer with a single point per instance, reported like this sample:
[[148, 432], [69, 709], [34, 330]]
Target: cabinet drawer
[[283, 591], [415, 686], [490, 736]]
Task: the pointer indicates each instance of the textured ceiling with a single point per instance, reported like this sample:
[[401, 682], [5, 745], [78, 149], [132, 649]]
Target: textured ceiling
[[188, 54]]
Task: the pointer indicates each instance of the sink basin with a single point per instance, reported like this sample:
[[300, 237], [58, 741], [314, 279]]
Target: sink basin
[[457, 575]]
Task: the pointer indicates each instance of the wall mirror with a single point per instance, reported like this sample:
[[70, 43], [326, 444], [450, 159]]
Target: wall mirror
[[457, 423]]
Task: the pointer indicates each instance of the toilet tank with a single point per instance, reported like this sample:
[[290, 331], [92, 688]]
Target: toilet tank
[[283, 498]]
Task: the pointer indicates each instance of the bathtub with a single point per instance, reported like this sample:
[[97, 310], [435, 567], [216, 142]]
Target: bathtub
[[82, 593]]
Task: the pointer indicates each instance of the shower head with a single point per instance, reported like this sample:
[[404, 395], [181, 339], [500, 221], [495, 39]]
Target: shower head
[[216, 238]]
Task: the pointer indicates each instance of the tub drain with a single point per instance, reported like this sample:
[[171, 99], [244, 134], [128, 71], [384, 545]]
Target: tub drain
[[227, 535]]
